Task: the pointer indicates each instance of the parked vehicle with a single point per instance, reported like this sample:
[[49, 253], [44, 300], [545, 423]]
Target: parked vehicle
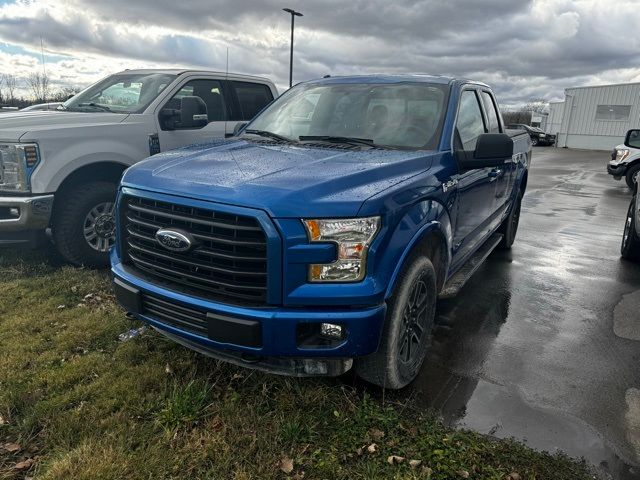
[[625, 159], [41, 107], [326, 229], [537, 135], [60, 169]]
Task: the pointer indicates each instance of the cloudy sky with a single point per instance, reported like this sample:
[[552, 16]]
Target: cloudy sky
[[523, 48]]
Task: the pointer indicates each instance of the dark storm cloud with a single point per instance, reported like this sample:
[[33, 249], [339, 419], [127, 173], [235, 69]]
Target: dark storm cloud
[[524, 48]]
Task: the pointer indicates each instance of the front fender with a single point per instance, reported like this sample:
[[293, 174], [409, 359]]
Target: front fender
[[423, 219], [54, 171]]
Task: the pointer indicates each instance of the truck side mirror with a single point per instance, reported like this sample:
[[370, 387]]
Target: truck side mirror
[[239, 126], [494, 145], [632, 139], [492, 150], [193, 113]]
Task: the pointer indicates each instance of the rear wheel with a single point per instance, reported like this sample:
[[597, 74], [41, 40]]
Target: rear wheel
[[84, 224], [509, 226], [406, 335], [630, 248], [632, 176]]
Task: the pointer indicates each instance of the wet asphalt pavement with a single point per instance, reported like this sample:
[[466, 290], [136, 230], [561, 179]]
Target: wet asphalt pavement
[[543, 343]]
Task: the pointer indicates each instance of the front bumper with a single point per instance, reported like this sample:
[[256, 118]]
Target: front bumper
[[24, 219], [33, 213], [264, 338], [618, 171]]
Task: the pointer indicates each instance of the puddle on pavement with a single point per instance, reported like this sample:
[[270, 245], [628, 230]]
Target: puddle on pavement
[[632, 416], [454, 384], [500, 411], [625, 316]]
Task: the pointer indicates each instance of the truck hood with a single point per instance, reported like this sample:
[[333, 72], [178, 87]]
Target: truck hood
[[26, 126], [284, 180]]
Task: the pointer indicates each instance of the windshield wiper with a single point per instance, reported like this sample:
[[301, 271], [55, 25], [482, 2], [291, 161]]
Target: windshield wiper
[[265, 133], [95, 105], [336, 139]]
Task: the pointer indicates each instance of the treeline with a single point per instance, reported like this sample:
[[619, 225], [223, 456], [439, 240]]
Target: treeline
[[37, 84], [523, 114]]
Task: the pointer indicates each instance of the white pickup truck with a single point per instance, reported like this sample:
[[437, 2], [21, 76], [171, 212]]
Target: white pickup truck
[[60, 169], [625, 159]]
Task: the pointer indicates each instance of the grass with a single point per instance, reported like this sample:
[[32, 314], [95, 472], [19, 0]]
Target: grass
[[80, 404]]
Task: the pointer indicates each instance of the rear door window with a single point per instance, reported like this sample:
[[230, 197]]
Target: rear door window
[[252, 98], [491, 111]]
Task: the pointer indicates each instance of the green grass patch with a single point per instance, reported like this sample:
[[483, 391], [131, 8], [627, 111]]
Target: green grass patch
[[76, 403]]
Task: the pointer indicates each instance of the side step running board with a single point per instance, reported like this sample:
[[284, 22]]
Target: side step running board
[[458, 280]]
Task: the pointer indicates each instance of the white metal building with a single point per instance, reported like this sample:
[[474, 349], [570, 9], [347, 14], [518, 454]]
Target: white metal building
[[554, 119], [597, 118]]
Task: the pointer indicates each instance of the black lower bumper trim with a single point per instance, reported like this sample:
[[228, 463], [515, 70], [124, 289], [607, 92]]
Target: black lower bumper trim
[[618, 171], [24, 239], [290, 366]]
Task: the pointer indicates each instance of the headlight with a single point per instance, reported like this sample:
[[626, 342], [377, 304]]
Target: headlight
[[17, 161], [621, 154], [353, 236], [542, 135]]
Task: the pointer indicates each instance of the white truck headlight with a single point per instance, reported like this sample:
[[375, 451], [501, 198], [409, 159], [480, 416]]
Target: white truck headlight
[[621, 154], [17, 161], [353, 236]]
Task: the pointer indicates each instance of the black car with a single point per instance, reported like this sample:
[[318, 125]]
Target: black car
[[538, 136]]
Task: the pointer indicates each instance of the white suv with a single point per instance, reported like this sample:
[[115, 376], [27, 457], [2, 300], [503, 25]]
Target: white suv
[[60, 169]]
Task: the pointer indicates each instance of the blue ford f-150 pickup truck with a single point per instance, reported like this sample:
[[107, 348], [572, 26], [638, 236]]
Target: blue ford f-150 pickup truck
[[320, 236]]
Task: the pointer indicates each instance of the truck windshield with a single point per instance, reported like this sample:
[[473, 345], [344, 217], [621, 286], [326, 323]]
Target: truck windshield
[[404, 115], [120, 93]]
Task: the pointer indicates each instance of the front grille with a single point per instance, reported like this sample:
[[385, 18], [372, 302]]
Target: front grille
[[228, 264], [194, 321]]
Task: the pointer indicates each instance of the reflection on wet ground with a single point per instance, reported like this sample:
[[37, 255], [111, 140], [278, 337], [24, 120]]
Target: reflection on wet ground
[[530, 348]]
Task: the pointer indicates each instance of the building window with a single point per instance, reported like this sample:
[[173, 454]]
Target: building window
[[619, 113]]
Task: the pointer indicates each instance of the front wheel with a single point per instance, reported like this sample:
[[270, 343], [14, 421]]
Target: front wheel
[[632, 176], [534, 142], [84, 224], [406, 335], [630, 248]]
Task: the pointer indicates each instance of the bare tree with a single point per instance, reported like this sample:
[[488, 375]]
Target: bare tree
[[521, 116], [64, 94], [10, 82], [537, 105], [39, 85]]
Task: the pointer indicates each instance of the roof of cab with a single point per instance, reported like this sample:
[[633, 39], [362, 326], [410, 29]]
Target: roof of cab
[[394, 78], [182, 71]]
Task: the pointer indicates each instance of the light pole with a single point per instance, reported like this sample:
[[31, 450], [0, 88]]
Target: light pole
[[294, 14]]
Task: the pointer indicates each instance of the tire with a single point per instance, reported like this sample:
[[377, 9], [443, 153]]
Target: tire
[[632, 176], [534, 141], [630, 248], [77, 212], [395, 364], [509, 226]]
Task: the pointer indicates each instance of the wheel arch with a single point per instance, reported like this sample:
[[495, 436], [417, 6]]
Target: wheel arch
[[433, 239], [100, 172]]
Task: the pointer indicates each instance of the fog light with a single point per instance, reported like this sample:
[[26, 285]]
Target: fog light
[[14, 212], [331, 330]]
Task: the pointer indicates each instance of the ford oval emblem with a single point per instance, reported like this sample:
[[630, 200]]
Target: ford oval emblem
[[174, 240]]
